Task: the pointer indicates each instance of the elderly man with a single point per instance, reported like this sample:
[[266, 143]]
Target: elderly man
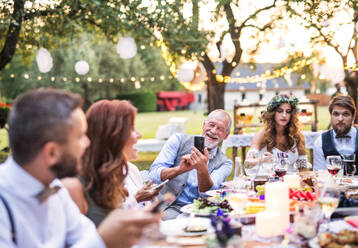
[[188, 170], [47, 131], [342, 139]]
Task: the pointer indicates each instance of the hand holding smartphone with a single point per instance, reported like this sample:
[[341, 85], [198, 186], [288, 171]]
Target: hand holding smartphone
[[168, 198], [199, 143], [160, 185]]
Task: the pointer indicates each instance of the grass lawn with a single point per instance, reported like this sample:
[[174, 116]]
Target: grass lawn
[[148, 123]]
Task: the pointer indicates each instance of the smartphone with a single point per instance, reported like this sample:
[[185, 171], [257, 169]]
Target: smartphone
[[160, 185], [199, 143], [157, 205]]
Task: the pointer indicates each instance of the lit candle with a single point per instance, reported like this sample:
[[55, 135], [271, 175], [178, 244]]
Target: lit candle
[[292, 180], [264, 224], [277, 200]]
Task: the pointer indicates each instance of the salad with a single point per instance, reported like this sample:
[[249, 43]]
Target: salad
[[210, 206]]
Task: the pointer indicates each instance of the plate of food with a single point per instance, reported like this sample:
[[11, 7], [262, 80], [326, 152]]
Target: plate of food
[[207, 207], [344, 238], [186, 227]]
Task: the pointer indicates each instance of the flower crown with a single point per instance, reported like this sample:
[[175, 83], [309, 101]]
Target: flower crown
[[278, 100]]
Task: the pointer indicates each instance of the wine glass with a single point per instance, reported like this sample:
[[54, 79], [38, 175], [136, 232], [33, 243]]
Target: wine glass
[[281, 167], [349, 163], [252, 171], [328, 199], [334, 164]]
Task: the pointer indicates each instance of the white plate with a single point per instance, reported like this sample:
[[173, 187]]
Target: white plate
[[176, 227], [215, 192], [188, 209]]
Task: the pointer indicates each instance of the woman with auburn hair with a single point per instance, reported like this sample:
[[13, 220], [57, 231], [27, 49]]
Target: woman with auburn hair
[[281, 135], [105, 167]]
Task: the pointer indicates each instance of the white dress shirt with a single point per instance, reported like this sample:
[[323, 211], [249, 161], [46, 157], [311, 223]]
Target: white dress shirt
[[342, 145], [55, 223]]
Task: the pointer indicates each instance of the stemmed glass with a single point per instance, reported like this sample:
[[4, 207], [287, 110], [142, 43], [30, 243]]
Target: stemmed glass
[[281, 167], [328, 199], [349, 163], [252, 172], [334, 164]]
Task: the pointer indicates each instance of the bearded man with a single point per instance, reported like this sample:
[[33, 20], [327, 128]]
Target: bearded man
[[340, 140], [189, 171]]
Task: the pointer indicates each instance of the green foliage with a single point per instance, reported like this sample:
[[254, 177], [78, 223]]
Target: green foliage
[[145, 101], [146, 67]]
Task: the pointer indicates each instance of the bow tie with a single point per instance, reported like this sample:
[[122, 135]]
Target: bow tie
[[343, 136], [46, 193]]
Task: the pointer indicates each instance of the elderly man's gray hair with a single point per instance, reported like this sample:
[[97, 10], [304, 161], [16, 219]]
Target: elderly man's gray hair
[[221, 112]]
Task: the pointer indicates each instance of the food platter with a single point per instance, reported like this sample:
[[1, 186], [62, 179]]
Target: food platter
[[190, 209], [176, 227]]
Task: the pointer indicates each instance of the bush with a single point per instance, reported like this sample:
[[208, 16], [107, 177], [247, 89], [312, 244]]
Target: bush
[[145, 101]]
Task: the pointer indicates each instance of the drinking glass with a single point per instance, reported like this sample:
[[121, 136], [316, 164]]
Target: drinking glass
[[349, 163], [252, 172], [238, 201], [328, 200], [334, 164], [281, 166]]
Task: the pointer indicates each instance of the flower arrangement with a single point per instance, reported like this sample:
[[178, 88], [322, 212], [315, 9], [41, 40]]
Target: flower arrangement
[[223, 230], [279, 99], [4, 112]]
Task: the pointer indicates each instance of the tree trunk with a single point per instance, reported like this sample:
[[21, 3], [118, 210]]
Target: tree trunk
[[86, 96], [351, 84], [12, 36], [215, 93]]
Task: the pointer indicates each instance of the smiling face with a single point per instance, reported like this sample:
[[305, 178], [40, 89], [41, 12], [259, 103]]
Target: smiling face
[[215, 129], [341, 120], [283, 114], [129, 151]]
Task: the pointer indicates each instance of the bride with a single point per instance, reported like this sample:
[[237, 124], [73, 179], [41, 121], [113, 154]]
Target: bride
[[280, 137]]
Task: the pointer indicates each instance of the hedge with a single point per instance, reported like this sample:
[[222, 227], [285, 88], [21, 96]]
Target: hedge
[[145, 101]]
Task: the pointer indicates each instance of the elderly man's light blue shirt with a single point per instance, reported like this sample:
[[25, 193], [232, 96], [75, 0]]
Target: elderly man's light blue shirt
[[166, 159]]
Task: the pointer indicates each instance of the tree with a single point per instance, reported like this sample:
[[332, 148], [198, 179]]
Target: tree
[[31, 24], [110, 74], [330, 21], [185, 35]]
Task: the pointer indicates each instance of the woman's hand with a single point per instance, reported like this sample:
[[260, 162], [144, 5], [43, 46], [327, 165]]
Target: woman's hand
[[267, 158], [147, 192]]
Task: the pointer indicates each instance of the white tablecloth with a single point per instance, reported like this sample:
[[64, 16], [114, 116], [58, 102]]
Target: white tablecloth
[[240, 140]]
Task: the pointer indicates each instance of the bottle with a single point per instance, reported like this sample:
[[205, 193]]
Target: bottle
[[238, 170]]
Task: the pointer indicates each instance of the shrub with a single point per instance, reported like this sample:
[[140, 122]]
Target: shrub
[[145, 101]]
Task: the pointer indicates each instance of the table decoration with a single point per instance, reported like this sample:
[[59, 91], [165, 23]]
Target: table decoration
[[264, 221], [277, 200], [223, 230]]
